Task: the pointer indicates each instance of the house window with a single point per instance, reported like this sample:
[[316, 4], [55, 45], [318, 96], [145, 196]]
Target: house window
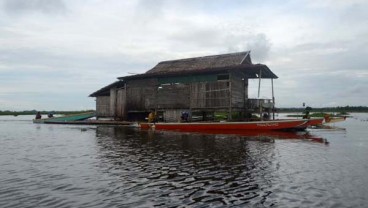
[[223, 77]]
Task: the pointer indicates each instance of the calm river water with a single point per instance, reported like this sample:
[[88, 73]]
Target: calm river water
[[109, 166]]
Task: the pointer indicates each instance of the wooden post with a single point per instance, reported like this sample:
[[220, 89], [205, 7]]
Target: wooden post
[[273, 101], [230, 99], [125, 117], [259, 92], [259, 82], [113, 102], [244, 100]]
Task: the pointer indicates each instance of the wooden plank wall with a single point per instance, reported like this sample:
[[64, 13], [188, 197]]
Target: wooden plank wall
[[173, 115], [141, 94], [103, 106], [120, 104], [112, 101], [197, 95], [209, 95], [238, 91], [173, 96], [217, 94]]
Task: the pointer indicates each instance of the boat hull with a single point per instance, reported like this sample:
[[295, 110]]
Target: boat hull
[[335, 119], [311, 122], [73, 117], [256, 125], [315, 121]]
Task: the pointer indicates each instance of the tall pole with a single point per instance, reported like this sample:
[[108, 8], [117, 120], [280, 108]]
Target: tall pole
[[273, 101], [259, 92], [230, 117], [259, 82]]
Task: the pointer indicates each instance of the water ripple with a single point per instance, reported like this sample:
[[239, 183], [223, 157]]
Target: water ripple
[[65, 166]]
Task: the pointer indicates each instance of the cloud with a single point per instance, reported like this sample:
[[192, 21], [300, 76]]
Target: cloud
[[340, 4], [260, 47], [42, 6], [149, 10], [320, 48]]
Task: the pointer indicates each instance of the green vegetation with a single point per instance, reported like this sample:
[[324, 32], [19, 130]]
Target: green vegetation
[[33, 112], [318, 114], [221, 116], [340, 110]]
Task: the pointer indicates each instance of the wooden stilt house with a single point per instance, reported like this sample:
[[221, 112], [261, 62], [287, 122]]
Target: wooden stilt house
[[199, 86]]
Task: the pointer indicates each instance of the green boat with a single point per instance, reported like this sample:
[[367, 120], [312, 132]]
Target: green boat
[[66, 118]]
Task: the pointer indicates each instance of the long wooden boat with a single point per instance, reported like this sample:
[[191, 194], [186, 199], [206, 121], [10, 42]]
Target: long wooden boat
[[312, 122], [315, 121], [66, 118], [334, 119], [294, 124]]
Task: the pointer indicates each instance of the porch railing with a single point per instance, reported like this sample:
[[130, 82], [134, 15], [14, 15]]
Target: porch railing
[[256, 103]]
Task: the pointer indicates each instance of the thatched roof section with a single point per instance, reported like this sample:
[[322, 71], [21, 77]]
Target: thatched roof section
[[249, 71], [105, 91], [207, 64], [199, 63]]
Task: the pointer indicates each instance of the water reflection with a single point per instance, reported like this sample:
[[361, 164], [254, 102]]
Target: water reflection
[[88, 166], [264, 135], [173, 168]]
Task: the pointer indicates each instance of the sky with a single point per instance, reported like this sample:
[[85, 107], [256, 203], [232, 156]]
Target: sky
[[54, 53]]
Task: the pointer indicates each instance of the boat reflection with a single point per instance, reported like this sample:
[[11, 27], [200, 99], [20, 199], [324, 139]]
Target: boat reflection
[[259, 135], [200, 169], [186, 170]]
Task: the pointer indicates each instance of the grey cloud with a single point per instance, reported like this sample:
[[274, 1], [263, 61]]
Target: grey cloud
[[258, 44], [260, 47], [68, 77], [324, 90], [43, 6], [331, 56], [51, 62], [313, 46], [327, 65], [148, 10], [355, 14], [212, 37], [194, 35]]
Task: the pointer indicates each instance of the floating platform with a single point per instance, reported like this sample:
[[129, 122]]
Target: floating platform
[[80, 119], [92, 122]]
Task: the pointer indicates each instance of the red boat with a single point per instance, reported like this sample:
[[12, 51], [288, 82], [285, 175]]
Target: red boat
[[315, 121], [311, 122], [296, 124], [329, 119]]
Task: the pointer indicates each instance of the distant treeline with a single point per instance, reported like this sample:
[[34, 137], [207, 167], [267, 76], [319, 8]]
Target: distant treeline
[[33, 112], [339, 109]]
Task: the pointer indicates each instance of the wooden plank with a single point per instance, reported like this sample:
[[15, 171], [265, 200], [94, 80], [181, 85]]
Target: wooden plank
[[103, 106], [112, 102]]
